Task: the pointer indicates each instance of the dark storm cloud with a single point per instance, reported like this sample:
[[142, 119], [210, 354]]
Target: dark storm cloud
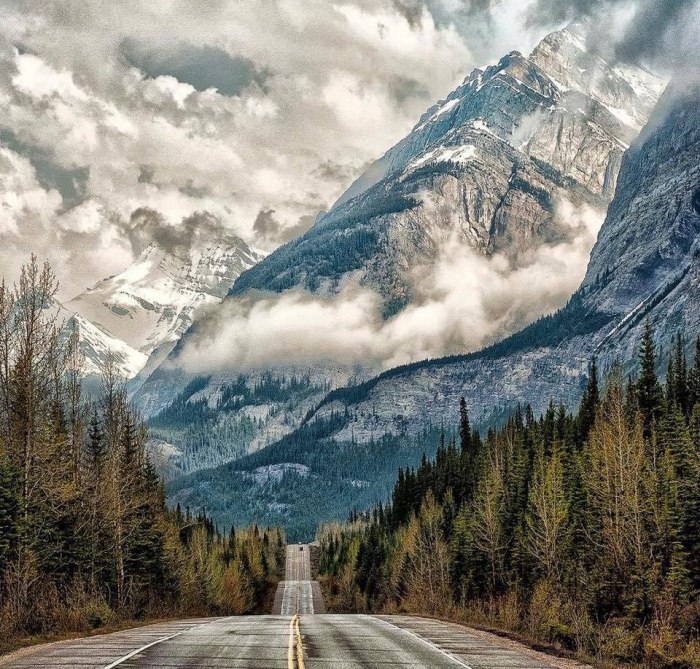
[[329, 170], [194, 191], [411, 10], [646, 35], [202, 67], [71, 183], [269, 230], [266, 225], [148, 225]]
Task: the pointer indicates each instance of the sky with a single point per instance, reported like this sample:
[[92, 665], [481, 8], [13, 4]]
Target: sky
[[258, 112]]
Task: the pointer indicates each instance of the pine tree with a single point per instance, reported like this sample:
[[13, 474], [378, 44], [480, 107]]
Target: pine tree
[[694, 380], [9, 513], [649, 393], [589, 403], [464, 426]]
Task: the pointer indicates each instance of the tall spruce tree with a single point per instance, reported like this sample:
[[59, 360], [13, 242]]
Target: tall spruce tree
[[589, 403], [648, 389]]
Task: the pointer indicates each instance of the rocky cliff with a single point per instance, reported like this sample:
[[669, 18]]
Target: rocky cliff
[[487, 169], [644, 267], [149, 305]]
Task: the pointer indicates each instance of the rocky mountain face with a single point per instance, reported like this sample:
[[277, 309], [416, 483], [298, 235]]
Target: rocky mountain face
[[146, 308], [486, 168], [97, 344], [645, 267]]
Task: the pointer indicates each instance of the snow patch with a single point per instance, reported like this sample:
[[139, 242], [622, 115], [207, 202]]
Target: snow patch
[[454, 154]]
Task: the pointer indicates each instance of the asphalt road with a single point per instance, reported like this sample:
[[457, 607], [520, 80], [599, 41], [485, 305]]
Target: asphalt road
[[298, 593], [297, 638]]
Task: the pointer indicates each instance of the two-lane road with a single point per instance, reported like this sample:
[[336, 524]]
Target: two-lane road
[[298, 594], [297, 637]]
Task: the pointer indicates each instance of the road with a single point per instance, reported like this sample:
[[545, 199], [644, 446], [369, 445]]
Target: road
[[299, 636], [298, 593]]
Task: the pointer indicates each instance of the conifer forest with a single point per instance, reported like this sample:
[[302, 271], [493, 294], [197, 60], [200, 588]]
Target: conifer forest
[[576, 529], [86, 538]]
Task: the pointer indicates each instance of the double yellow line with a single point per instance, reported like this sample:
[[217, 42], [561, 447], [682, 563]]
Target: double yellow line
[[295, 651]]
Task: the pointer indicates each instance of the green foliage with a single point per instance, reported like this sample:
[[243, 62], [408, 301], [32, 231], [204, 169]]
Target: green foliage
[[582, 530], [85, 533], [333, 477]]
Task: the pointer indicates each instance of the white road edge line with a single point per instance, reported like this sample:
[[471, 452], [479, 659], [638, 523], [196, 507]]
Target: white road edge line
[[434, 646], [146, 647]]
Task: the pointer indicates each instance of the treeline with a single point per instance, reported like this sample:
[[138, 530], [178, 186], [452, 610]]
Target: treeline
[[86, 538], [581, 530]]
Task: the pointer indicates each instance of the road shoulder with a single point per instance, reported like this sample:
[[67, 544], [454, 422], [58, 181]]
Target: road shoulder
[[477, 648]]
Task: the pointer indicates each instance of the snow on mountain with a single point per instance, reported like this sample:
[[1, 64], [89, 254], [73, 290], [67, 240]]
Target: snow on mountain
[[496, 155], [485, 167], [96, 344], [149, 305], [645, 267]]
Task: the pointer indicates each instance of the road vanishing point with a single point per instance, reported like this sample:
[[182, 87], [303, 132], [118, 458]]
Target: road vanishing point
[[298, 635]]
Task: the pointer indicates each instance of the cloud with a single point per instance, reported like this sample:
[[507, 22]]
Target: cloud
[[663, 33], [461, 303], [71, 183], [202, 67], [234, 107], [228, 107], [147, 225], [270, 232]]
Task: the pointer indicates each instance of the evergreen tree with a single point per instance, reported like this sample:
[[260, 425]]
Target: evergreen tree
[[9, 513], [648, 390], [589, 403]]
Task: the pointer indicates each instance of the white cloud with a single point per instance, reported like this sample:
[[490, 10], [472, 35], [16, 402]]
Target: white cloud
[[462, 303], [325, 82], [319, 83]]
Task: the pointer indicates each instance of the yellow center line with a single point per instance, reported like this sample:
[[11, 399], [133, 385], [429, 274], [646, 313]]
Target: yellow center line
[[295, 649], [290, 648], [300, 646]]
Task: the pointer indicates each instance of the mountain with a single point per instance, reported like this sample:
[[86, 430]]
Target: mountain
[[152, 303], [645, 267], [97, 344], [487, 165], [488, 168]]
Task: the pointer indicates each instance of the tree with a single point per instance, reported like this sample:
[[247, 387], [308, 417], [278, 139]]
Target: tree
[[649, 393], [589, 403], [547, 518], [465, 431], [487, 526], [9, 513], [619, 493]]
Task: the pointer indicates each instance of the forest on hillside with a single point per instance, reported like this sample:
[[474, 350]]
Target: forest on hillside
[[86, 538], [580, 530]]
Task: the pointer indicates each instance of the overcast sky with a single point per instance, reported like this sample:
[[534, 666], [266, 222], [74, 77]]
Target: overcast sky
[[260, 112]]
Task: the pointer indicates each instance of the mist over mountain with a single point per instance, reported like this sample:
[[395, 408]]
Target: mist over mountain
[[178, 272], [474, 225], [644, 269]]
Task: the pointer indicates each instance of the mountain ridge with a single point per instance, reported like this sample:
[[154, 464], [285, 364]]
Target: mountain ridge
[[487, 167], [150, 304], [652, 232]]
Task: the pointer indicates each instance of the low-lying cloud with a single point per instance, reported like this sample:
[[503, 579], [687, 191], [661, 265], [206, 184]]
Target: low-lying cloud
[[271, 232], [461, 303], [662, 33]]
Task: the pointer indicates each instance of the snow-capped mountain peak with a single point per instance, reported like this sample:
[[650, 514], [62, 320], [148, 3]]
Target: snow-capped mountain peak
[[152, 302]]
